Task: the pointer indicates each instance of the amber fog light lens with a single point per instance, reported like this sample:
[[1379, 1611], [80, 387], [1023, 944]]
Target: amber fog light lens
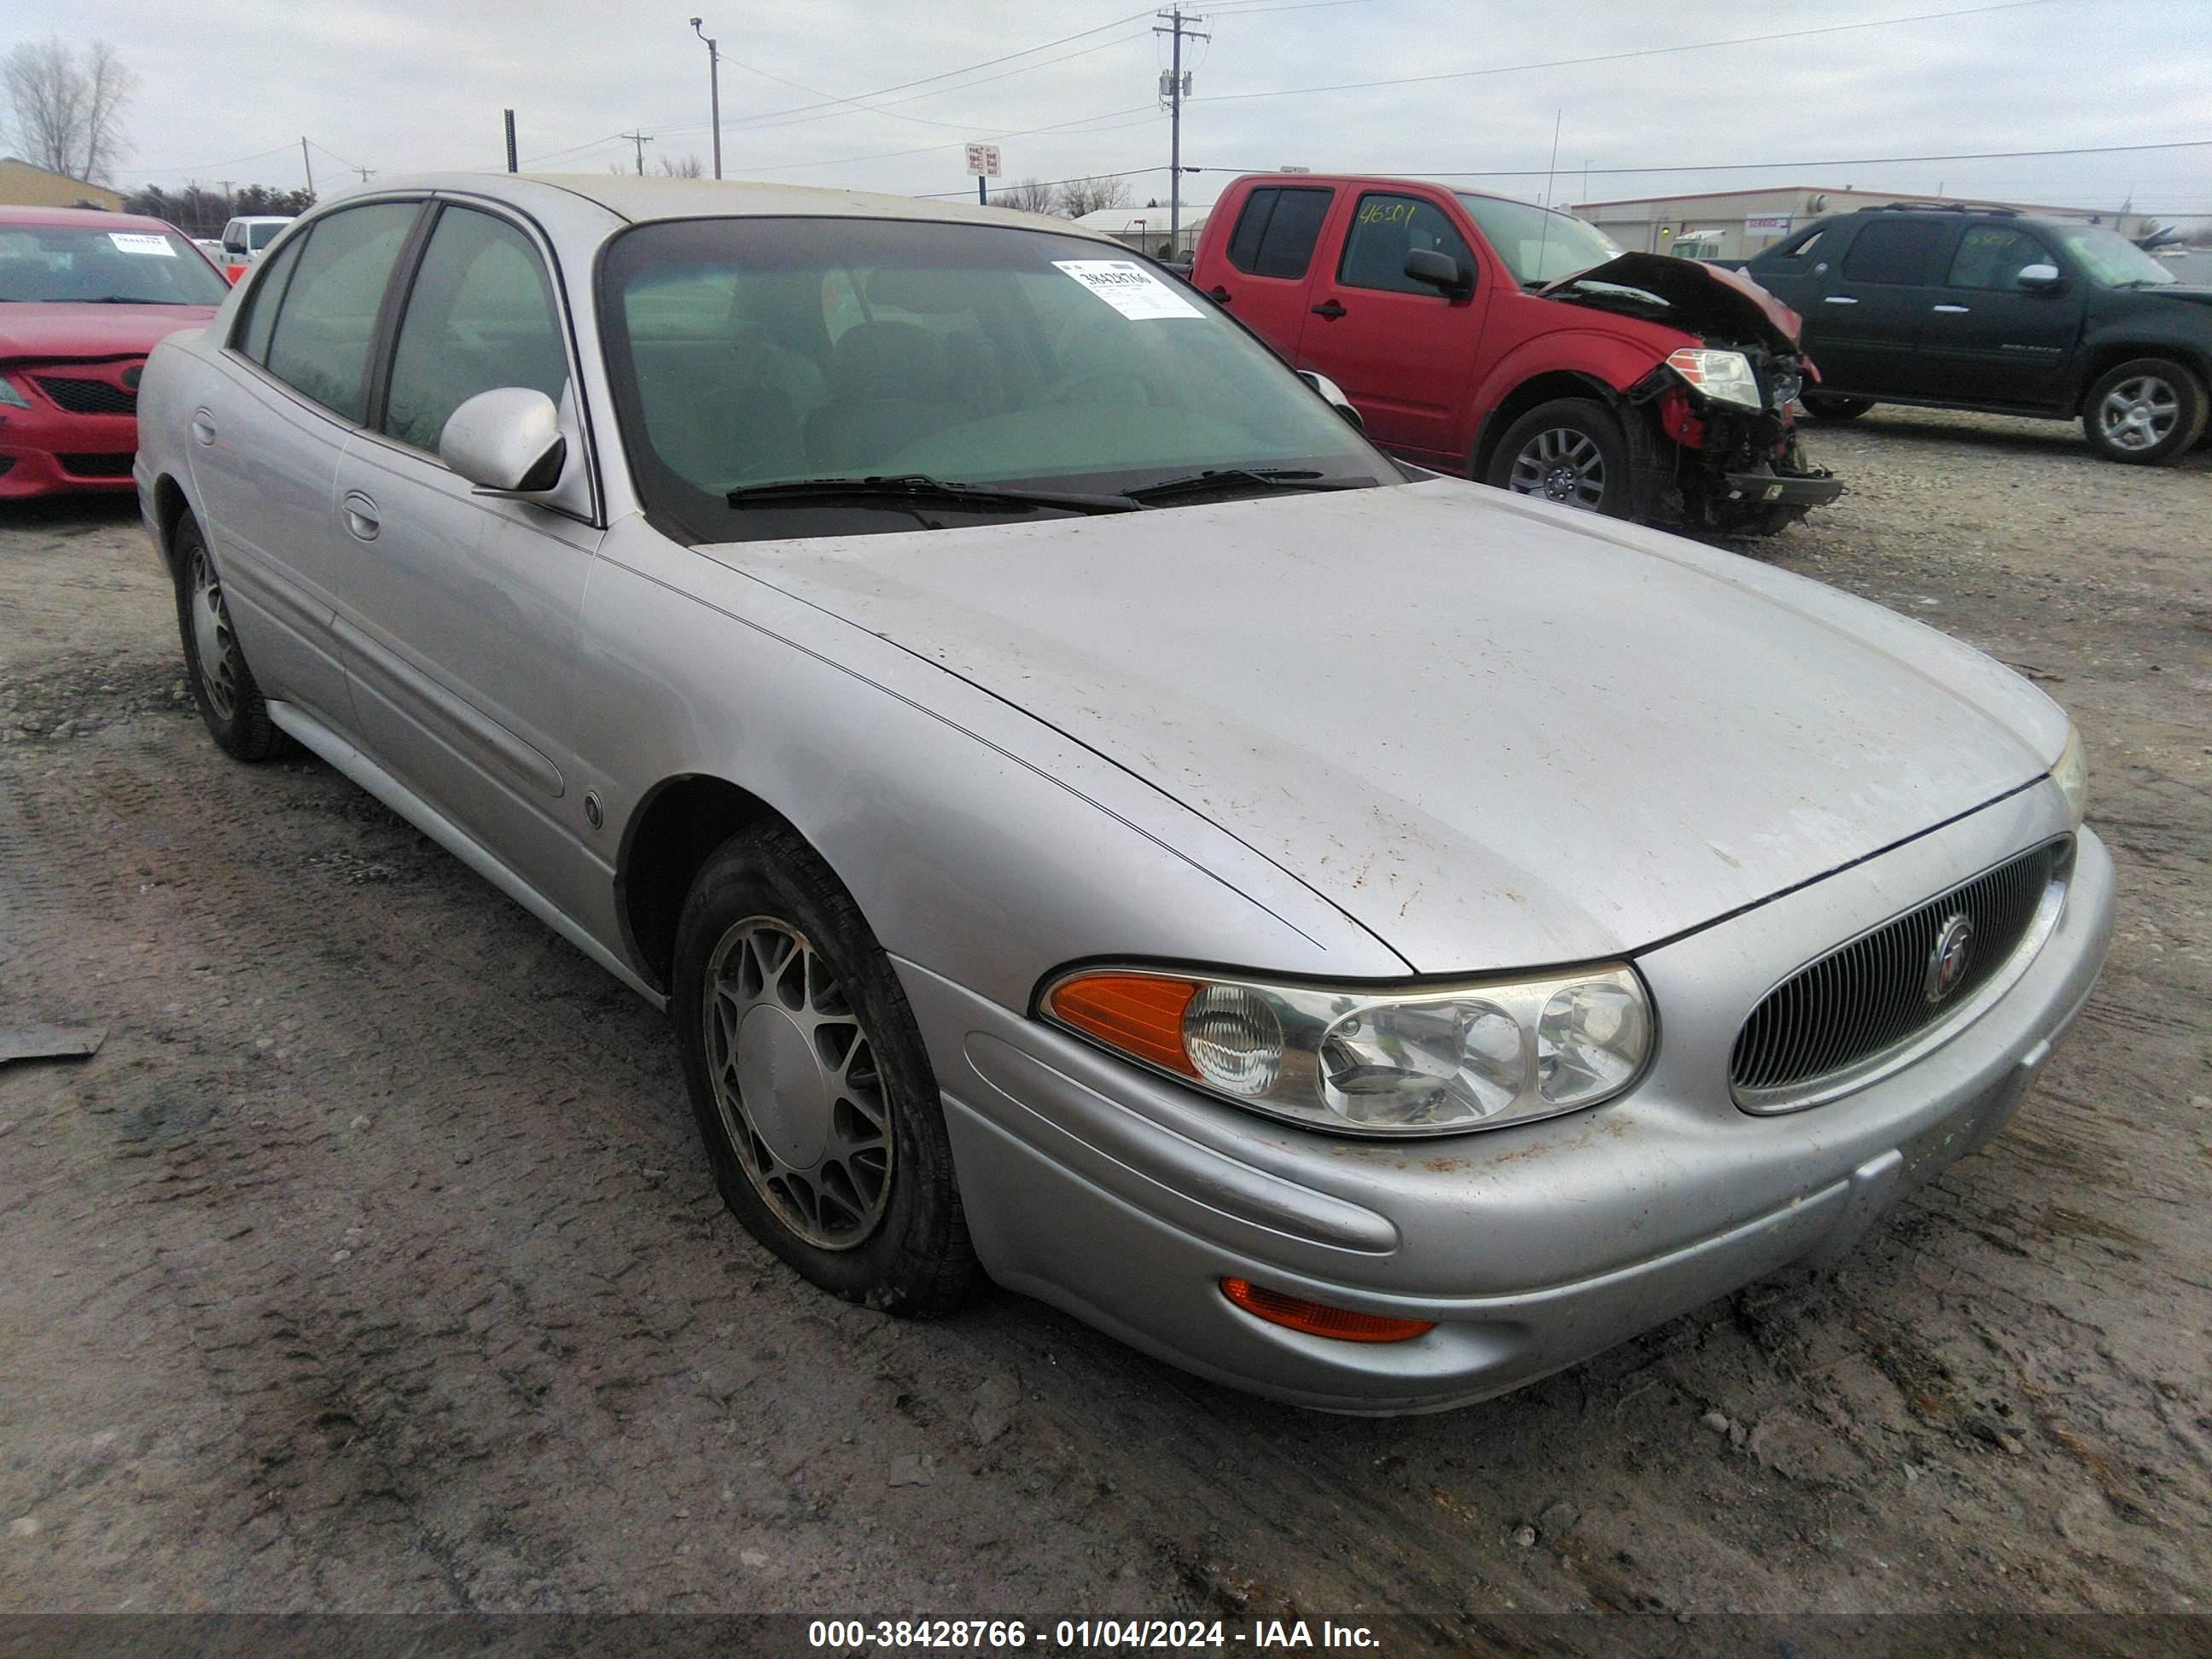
[[1319, 1319]]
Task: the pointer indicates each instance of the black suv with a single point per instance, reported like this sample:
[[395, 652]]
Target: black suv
[[1986, 309]]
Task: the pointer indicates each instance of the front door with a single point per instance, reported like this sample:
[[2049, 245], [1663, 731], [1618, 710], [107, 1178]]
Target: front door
[[1990, 341], [458, 616], [1403, 352]]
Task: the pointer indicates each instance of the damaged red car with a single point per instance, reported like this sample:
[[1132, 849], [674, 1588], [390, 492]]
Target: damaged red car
[[84, 295], [1519, 346]]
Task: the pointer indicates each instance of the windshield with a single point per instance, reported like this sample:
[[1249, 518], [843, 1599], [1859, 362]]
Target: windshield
[[1538, 245], [2111, 260], [757, 351], [54, 263]]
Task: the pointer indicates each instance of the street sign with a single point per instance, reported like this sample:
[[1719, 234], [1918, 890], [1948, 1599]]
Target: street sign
[[983, 161]]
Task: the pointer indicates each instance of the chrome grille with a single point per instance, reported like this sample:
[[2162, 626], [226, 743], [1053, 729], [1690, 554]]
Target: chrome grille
[[1847, 1009]]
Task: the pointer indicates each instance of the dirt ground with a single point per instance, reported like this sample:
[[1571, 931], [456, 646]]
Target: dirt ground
[[372, 1263]]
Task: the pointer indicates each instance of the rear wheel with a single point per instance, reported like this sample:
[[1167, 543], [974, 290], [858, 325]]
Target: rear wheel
[[2145, 412], [1571, 451], [1826, 406], [811, 1087], [223, 687]]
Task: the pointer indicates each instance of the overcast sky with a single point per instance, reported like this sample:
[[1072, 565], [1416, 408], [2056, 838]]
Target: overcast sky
[[401, 85]]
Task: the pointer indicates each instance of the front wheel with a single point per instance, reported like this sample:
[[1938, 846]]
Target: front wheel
[[1826, 406], [2145, 412], [811, 1087], [1571, 451]]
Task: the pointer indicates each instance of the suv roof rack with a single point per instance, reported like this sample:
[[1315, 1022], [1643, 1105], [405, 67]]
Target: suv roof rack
[[1941, 207]]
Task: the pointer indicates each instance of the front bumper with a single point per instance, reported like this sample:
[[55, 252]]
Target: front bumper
[[1125, 1199], [44, 451], [1767, 489]]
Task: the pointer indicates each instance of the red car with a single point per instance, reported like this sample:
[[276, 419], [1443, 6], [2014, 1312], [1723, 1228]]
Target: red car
[[1520, 347], [84, 295]]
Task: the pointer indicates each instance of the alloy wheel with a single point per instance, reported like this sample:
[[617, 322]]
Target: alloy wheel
[[796, 1082], [1561, 464], [213, 643], [2138, 413]]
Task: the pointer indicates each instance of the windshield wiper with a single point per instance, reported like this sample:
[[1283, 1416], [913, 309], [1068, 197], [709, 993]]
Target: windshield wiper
[[909, 489], [1219, 480]]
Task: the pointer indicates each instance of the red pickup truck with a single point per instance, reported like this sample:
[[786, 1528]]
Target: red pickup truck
[[1520, 346]]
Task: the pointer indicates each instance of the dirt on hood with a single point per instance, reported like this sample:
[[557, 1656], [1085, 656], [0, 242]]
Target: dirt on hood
[[1705, 299]]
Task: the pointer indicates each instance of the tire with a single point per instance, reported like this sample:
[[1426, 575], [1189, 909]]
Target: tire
[[814, 1095], [229, 699], [1571, 451], [2146, 412], [1826, 406]]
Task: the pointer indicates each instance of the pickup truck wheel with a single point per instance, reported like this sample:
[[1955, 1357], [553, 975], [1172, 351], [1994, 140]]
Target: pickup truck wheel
[[1825, 406], [811, 1087], [230, 703], [2145, 412], [1571, 451]]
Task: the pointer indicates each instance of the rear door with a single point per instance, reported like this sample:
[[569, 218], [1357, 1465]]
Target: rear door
[[1270, 255], [1989, 340], [457, 610], [1403, 352], [1865, 323], [267, 432]]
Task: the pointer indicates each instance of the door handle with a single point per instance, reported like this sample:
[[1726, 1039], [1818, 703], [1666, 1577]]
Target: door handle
[[1955, 310], [1840, 300], [1330, 308], [360, 516], [1219, 294], [203, 426]]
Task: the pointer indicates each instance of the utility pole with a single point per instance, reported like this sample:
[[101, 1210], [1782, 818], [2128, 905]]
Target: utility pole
[[641, 139], [307, 164], [1178, 85], [713, 89]]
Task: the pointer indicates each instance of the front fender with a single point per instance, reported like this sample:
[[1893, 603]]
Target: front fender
[[1604, 359]]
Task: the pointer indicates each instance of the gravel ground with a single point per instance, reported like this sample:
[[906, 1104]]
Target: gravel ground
[[372, 1263]]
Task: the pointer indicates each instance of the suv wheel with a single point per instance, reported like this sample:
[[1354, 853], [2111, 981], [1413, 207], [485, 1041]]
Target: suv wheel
[[1571, 451], [1826, 406], [2145, 412]]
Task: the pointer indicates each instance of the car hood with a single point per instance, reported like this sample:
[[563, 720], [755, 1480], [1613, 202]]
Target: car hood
[[1705, 299], [33, 330], [1495, 733]]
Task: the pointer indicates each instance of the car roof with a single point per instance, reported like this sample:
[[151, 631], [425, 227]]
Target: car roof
[[98, 218], [263, 218], [1387, 181], [639, 201]]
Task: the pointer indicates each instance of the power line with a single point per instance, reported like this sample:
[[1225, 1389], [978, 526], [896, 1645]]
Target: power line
[[1621, 57]]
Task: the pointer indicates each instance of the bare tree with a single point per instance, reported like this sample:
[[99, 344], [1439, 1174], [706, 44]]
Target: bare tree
[[1080, 195], [65, 108], [688, 167], [1025, 196]]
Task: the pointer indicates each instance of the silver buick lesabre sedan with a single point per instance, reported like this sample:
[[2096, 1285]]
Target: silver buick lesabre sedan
[[1093, 820]]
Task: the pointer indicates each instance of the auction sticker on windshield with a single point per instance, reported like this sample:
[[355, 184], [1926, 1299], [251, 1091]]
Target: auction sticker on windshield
[[1129, 288], [128, 242]]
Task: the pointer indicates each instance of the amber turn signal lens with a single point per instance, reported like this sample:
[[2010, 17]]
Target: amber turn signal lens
[[1136, 1013], [1319, 1319]]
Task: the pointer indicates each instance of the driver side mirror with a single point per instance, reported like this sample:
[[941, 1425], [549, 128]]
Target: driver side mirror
[[507, 441], [1439, 271], [2040, 278]]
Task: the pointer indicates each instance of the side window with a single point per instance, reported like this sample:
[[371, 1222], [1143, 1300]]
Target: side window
[[1384, 230], [262, 300], [233, 238], [1900, 249], [320, 342], [1993, 256], [1800, 250], [1276, 233], [481, 315]]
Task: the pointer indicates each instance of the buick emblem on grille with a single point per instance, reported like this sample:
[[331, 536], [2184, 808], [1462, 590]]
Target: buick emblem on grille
[[1948, 961]]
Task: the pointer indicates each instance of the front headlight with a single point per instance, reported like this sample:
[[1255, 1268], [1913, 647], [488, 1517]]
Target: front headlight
[[1422, 1062], [9, 396], [1723, 376], [2070, 772]]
